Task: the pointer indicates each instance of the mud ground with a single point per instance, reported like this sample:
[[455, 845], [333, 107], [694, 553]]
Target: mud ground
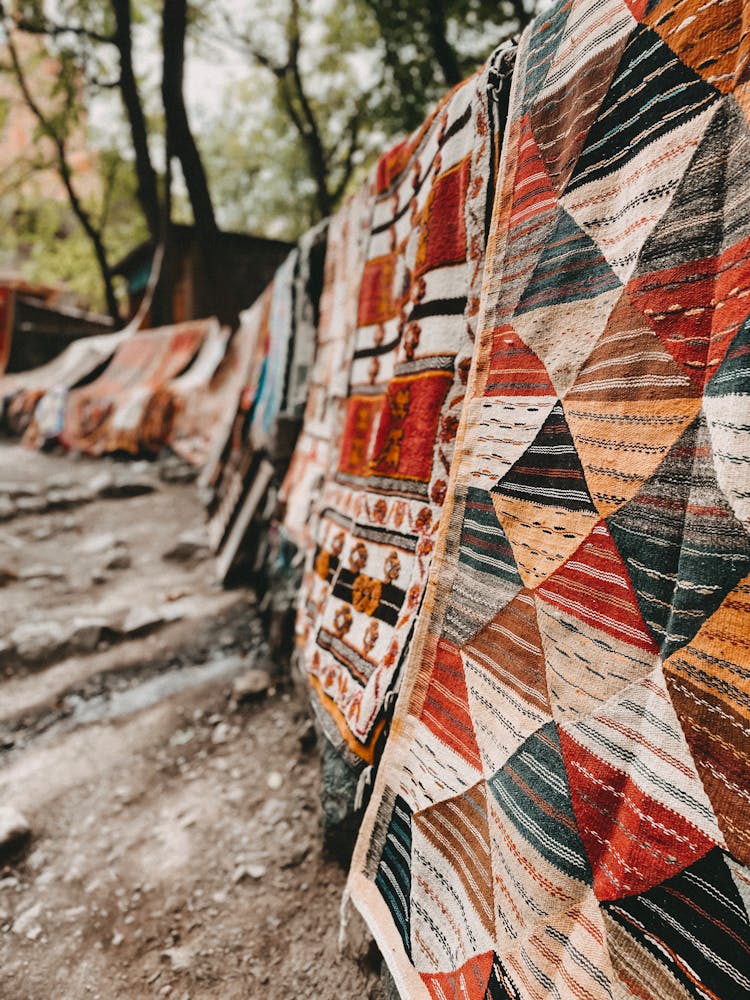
[[175, 846]]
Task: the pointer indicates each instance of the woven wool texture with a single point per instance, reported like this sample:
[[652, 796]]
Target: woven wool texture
[[269, 395], [108, 414], [563, 809], [378, 512], [231, 455], [316, 447], [22, 391]]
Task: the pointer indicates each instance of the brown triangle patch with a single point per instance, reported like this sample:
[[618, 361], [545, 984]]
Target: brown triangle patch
[[561, 121], [622, 443], [629, 362]]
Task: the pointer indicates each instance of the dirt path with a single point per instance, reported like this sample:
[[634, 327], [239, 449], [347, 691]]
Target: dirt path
[[175, 848]]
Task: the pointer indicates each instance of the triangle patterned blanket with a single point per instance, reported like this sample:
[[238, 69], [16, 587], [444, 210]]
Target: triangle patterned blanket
[[563, 809]]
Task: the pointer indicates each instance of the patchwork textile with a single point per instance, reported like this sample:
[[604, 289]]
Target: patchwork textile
[[563, 807], [226, 474], [200, 398], [378, 513], [108, 414], [316, 448], [269, 397], [22, 392]]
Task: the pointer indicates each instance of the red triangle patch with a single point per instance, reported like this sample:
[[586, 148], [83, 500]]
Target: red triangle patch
[[632, 841], [445, 710], [514, 369], [593, 585], [510, 648], [469, 982]]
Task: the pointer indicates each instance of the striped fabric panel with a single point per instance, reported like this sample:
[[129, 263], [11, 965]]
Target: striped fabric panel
[[550, 471], [532, 790], [393, 877], [486, 576], [701, 550], [696, 925], [650, 94]]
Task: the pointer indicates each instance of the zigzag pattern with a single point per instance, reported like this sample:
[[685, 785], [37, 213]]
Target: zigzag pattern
[[571, 732]]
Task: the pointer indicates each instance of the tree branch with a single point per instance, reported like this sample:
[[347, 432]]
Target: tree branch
[[63, 169], [54, 30]]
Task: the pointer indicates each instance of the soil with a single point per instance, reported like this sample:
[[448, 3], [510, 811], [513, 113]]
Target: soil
[[175, 846]]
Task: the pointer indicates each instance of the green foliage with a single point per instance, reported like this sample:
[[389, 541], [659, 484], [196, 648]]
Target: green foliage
[[40, 236], [431, 45], [257, 172], [356, 73]]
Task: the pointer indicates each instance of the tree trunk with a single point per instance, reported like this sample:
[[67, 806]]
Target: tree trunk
[[148, 192], [444, 52], [181, 144]]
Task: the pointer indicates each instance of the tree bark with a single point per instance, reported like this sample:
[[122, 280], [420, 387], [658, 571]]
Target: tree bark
[[445, 54], [63, 169], [181, 144], [148, 191]]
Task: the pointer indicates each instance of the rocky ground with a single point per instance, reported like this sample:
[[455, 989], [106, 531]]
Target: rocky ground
[[168, 777]]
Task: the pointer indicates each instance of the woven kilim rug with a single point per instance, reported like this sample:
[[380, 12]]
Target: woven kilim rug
[[563, 807], [225, 475], [21, 392], [200, 398], [270, 393], [107, 414], [378, 513], [314, 455]]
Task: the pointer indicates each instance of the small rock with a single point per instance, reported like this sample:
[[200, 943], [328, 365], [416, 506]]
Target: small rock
[[37, 859], [181, 737], [95, 545], [16, 490], [141, 620], [126, 486], [33, 932], [172, 469], [36, 642], [180, 958], [190, 547], [251, 686], [85, 634], [14, 830], [221, 733], [27, 920], [39, 572], [42, 533], [117, 938], [297, 856], [100, 483], [31, 505], [119, 558], [256, 870], [7, 508], [61, 499], [274, 780]]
